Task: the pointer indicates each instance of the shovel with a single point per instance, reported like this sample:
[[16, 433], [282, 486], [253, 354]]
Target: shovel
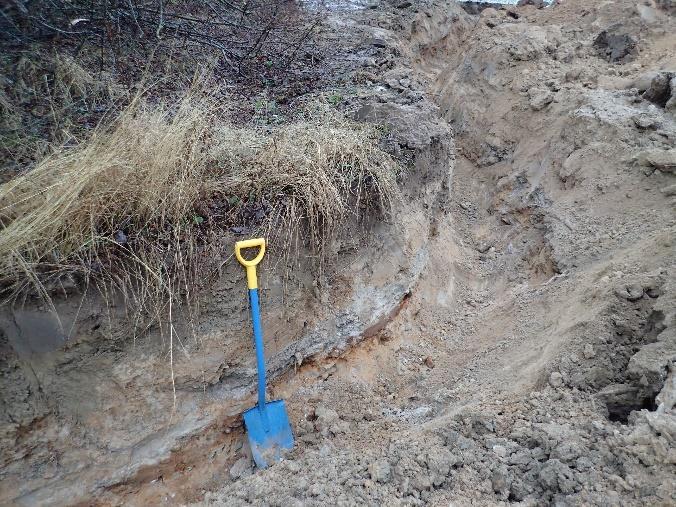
[[267, 424]]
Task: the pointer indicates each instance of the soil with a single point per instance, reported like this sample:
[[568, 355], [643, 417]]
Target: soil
[[506, 336]]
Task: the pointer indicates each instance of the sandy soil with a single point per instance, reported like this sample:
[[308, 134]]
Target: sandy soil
[[526, 353]]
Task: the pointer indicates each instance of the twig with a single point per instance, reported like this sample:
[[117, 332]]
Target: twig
[[261, 38], [555, 277], [301, 40], [134, 17], [161, 21], [171, 352]]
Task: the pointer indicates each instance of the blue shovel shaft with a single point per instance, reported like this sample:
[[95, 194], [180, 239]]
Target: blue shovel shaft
[[258, 341]]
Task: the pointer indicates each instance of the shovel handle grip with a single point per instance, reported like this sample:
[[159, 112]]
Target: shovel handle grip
[[250, 266]]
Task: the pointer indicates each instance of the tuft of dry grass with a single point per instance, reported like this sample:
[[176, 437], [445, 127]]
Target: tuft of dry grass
[[317, 171], [142, 206], [69, 214]]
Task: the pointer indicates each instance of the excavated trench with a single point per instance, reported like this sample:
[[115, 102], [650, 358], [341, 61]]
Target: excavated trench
[[501, 337]]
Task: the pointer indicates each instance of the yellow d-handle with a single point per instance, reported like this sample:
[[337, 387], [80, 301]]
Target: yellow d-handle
[[250, 266]]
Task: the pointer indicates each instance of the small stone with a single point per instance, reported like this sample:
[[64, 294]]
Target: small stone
[[573, 74], [429, 362], [664, 160], [377, 42], [567, 452], [484, 247], [326, 414], [583, 463], [500, 450], [369, 416], [491, 17], [293, 466], [537, 3], [645, 121], [659, 90], [240, 230], [648, 14], [556, 379], [329, 422], [632, 292], [613, 83], [620, 482], [521, 458], [489, 12], [39, 111], [440, 462], [671, 103], [642, 82], [588, 351], [615, 44], [557, 476], [380, 471]]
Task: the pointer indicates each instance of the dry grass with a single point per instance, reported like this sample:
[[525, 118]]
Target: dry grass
[[113, 210], [139, 208], [317, 171]]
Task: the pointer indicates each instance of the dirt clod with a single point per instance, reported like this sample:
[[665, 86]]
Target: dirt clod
[[555, 379], [380, 471], [615, 44]]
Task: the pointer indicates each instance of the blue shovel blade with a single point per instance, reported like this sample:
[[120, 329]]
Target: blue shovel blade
[[269, 433]]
